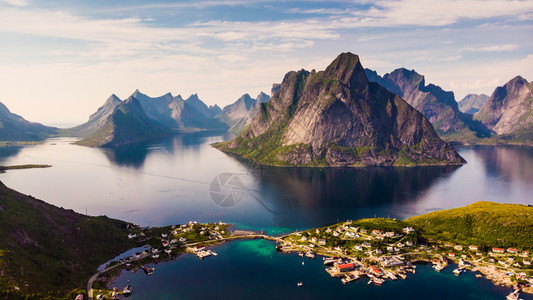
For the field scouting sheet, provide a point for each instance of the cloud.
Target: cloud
(20, 3)
(494, 48)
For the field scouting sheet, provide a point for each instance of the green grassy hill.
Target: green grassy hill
(485, 224)
(46, 251)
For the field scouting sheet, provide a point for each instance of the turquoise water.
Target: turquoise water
(254, 270)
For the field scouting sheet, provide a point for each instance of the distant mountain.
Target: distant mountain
(15, 128)
(437, 105)
(472, 103)
(509, 112)
(150, 118)
(50, 250)
(126, 124)
(337, 117)
(239, 114)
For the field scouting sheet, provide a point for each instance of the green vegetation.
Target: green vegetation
(485, 224)
(47, 251)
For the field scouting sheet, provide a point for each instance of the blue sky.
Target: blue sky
(60, 60)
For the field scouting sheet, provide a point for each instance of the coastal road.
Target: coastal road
(231, 238)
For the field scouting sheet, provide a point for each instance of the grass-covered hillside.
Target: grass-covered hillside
(485, 224)
(46, 251)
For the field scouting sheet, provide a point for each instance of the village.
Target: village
(349, 252)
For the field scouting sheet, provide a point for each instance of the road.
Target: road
(231, 238)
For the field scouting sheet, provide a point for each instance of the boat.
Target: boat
(378, 281)
(310, 254)
(127, 290)
(129, 266)
(479, 276)
(303, 263)
(349, 278)
(155, 256)
(301, 254)
(402, 275)
(299, 284)
(458, 271)
(168, 251)
(148, 270)
(438, 267)
(513, 295)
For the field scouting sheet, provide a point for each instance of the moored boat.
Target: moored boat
(127, 289)
(310, 254)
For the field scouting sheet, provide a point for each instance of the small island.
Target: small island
(3, 169)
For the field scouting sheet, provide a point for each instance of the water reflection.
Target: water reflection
(305, 196)
(508, 162)
(128, 156)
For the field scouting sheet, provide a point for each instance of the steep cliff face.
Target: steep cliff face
(472, 103)
(15, 128)
(127, 124)
(509, 108)
(337, 117)
(437, 105)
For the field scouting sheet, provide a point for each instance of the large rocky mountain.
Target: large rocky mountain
(337, 117)
(15, 128)
(509, 111)
(437, 105)
(126, 124)
(150, 118)
(240, 113)
(472, 103)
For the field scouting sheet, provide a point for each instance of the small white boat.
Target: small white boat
(127, 289)
(458, 271)
(310, 254)
(301, 254)
(303, 263)
(155, 256)
(378, 281)
(513, 295)
(299, 284)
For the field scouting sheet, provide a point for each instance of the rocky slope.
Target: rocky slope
(337, 117)
(239, 114)
(510, 107)
(437, 105)
(15, 128)
(126, 124)
(50, 250)
(472, 103)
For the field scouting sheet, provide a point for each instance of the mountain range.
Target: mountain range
(337, 117)
(437, 105)
(504, 118)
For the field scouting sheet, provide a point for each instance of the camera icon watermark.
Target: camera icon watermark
(226, 189)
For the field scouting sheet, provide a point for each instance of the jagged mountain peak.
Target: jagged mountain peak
(347, 69)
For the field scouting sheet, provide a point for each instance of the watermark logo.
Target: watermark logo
(226, 189)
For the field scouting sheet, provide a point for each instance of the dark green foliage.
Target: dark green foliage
(50, 249)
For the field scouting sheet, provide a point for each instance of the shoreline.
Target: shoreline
(365, 266)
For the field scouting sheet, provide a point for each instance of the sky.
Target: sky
(61, 59)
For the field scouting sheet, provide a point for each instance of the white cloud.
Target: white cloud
(494, 48)
(20, 3)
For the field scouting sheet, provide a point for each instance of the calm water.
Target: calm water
(171, 181)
